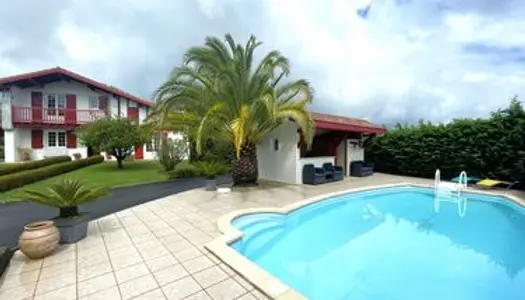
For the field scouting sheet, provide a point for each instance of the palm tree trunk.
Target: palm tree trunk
(244, 168)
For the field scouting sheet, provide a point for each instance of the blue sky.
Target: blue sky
(407, 60)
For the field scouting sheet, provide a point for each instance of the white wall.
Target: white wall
(280, 165)
(354, 153)
(22, 97)
(10, 154)
(23, 140)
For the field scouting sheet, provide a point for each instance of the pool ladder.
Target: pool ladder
(450, 192)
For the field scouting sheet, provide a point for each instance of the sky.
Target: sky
(406, 60)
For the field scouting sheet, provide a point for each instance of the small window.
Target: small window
(276, 144)
(51, 139)
(56, 104)
(61, 104)
(61, 139)
(56, 139)
(93, 102)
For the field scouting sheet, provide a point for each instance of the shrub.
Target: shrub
(184, 170)
(210, 169)
(171, 153)
(16, 180)
(493, 147)
(25, 166)
(67, 195)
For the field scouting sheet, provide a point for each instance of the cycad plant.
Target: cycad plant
(67, 194)
(210, 169)
(221, 93)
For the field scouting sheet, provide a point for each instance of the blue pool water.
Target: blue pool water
(390, 244)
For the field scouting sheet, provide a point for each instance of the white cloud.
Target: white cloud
(407, 61)
(399, 51)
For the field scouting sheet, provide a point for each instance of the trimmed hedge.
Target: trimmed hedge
(31, 165)
(485, 148)
(16, 180)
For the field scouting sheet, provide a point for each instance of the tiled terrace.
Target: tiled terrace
(155, 250)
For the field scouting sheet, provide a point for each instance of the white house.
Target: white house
(338, 140)
(40, 111)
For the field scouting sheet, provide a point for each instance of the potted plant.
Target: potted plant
(210, 169)
(66, 195)
(25, 154)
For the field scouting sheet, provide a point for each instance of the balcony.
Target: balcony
(55, 116)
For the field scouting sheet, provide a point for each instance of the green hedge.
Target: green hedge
(31, 165)
(184, 169)
(493, 147)
(16, 180)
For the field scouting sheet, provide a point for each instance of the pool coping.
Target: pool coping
(260, 278)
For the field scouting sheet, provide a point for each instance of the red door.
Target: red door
(36, 107)
(133, 114)
(71, 109)
(139, 152)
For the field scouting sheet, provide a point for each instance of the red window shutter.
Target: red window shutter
(102, 102)
(36, 106)
(71, 109)
(133, 113)
(71, 139)
(37, 139)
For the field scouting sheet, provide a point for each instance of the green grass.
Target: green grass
(103, 174)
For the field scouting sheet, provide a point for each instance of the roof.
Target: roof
(340, 123)
(32, 78)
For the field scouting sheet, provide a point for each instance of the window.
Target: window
(61, 139)
(51, 139)
(93, 102)
(56, 139)
(56, 104)
(154, 145)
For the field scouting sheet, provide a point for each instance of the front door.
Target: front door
(139, 152)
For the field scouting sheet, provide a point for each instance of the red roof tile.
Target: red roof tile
(333, 122)
(58, 70)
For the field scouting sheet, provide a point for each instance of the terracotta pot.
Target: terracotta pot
(39, 239)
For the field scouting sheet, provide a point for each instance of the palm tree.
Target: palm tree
(218, 93)
(66, 194)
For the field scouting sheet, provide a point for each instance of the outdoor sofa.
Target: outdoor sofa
(327, 173)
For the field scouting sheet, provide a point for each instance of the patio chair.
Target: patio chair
(359, 168)
(336, 171)
(491, 183)
(313, 175)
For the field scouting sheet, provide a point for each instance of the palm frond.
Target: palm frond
(66, 193)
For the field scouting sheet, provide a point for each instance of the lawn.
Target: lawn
(103, 174)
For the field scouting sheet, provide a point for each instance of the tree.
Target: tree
(220, 94)
(116, 136)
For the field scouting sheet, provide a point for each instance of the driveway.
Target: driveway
(14, 216)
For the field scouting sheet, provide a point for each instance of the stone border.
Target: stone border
(262, 280)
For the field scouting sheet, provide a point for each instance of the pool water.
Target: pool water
(390, 244)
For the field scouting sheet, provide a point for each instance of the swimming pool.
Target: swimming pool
(390, 244)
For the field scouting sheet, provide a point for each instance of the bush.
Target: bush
(210, 168)
(493, 147)
(184, 170)
(16, 180)
(25, 166)
(172, 152)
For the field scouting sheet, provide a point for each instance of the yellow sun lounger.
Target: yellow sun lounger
(491, 183)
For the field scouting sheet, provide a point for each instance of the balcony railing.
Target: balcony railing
(67, 116)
